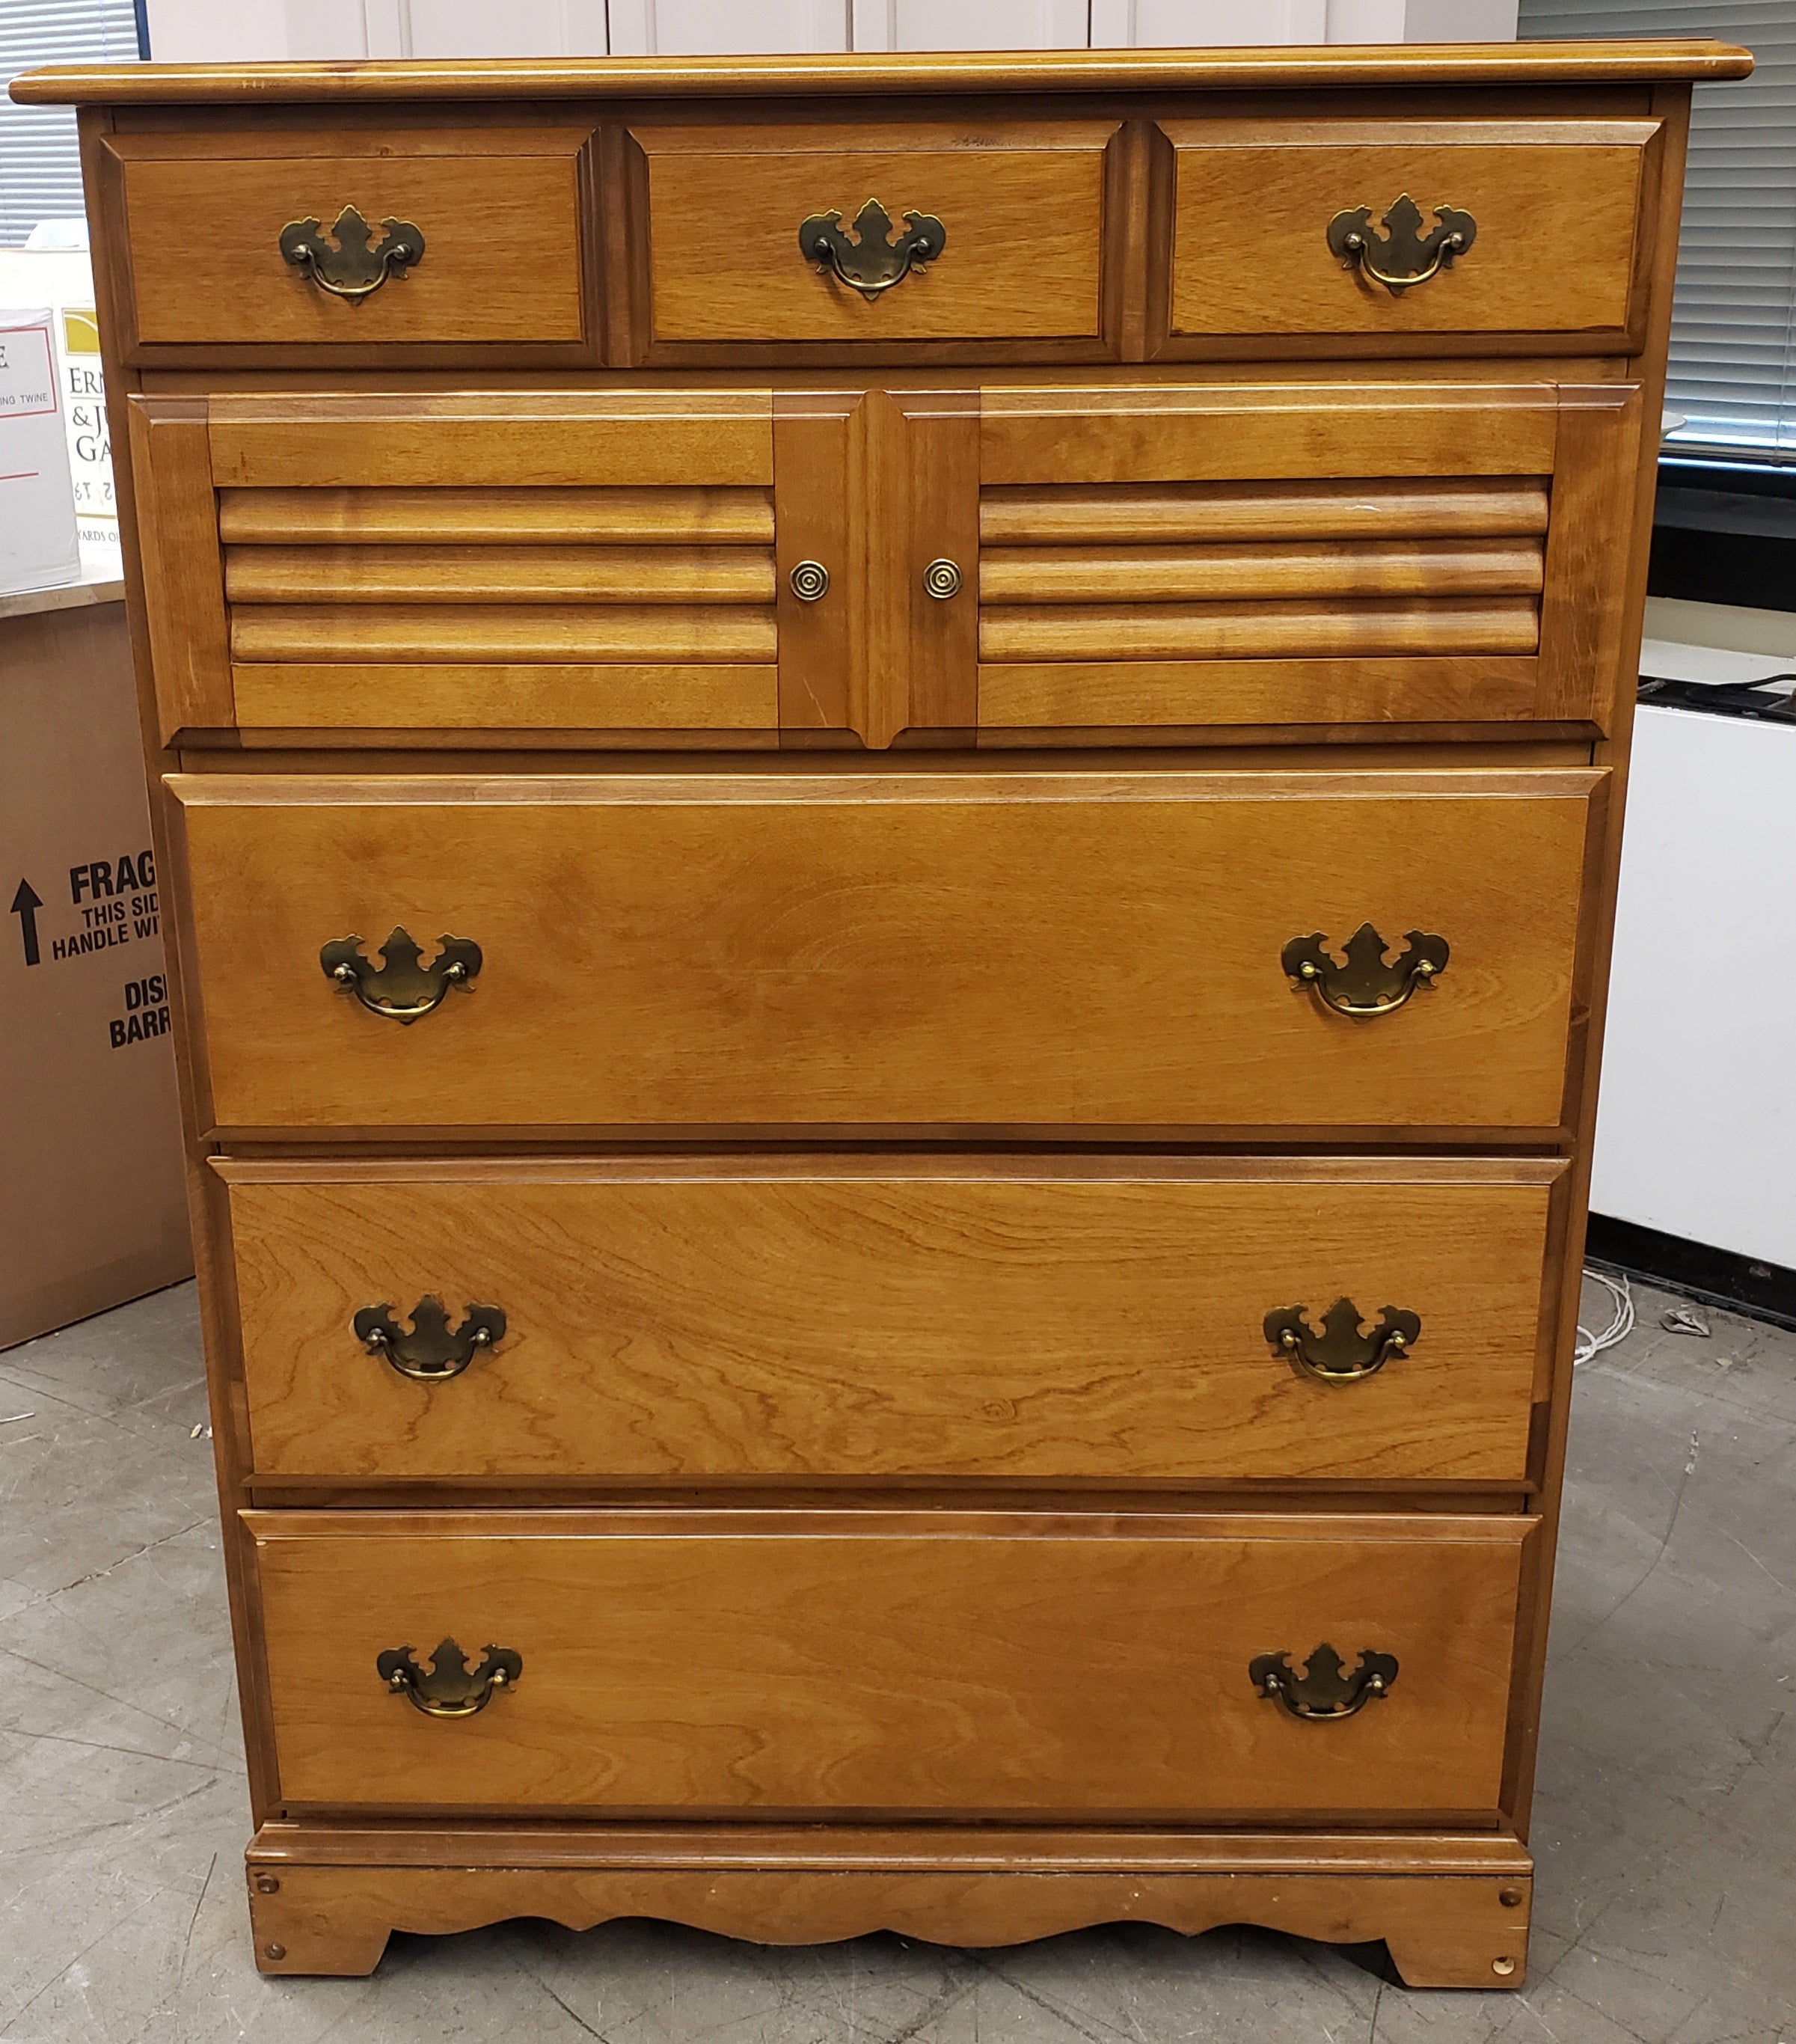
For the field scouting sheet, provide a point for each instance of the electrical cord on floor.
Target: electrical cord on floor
(1590, 1345)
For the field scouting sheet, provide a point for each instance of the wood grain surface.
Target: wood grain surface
(1031, 1325)
(1273, 188)
(1215, 514)
(1380, 431)
(826, 76)
(609, 694)
(869, 1662)
(418, 438)
(512, 191)
(1022, 201)
(671, 515)
(180, 573)
(1441, 1931)
(1119, 696)
(1439, 569)
(1248, 631)
(748, 949)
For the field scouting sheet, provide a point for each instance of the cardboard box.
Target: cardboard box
(38, 544)
(93, 1207)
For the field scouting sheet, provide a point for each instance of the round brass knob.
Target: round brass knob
(809, 580)
(941, 579)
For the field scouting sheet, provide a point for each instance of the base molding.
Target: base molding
(1454, 1912)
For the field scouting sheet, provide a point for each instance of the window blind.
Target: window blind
(1733, 326)
(40, 166)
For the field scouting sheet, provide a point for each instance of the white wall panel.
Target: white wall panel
(1143, 24)
(221, 31)
(1460, 22)
(747, 28)
(510, 28)
(971, 24)
(252, 31)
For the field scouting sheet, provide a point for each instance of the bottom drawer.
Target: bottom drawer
(835, 1664)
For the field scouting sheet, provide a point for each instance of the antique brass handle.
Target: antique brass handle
(1341, 1354)
(399, 987)
(1324, 1690)
(810, 580)
(451, 1689)
(872, 261)
(1404, 257)
(941, 579)
(432, 1349)
(355, 268)
(1365, 985)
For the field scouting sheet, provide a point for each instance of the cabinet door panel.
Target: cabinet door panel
(1302, 554)
(602, 564)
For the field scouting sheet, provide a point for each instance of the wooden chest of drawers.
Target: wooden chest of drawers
(892, 789)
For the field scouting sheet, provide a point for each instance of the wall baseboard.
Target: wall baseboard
(1717, 1277)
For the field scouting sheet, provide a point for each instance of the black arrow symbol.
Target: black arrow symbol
(26, 906)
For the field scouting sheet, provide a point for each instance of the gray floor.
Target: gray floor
(1666, 1829)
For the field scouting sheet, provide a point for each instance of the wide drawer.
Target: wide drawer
(1007, 234)
(890, 1318)
(883, 1663)
(1546, 213)
(849, 951)
(484, 223)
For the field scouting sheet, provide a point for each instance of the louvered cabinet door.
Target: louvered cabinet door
(613, 565)
(1342, 555)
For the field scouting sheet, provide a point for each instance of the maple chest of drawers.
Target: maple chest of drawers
(893, 787)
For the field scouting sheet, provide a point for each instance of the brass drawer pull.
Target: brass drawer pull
(1409, 257)
(810, 581)
(1341, 1354)
(1324, 1690)
(451, 1689)
(353, 268)
(1365, 985)
(432, 1349)
(399, 987)
(941, 579)
(872, 261)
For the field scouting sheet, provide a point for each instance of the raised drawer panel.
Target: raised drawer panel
(499, 210)
(956, 1663)
(884, 1318)
(1554, 206)
(846, 951)
(1021, 206)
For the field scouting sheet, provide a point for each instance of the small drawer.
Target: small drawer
(494, 215)
(854, 953)
(843, 1319)
(816, 1664)
(1008, 243)
(1546, 213)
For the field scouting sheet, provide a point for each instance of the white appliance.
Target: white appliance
(1696, 1133)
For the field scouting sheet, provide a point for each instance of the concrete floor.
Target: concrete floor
(1666, 1826)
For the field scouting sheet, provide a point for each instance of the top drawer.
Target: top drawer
(1389, 228)
(990, 232)
(466, 235)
